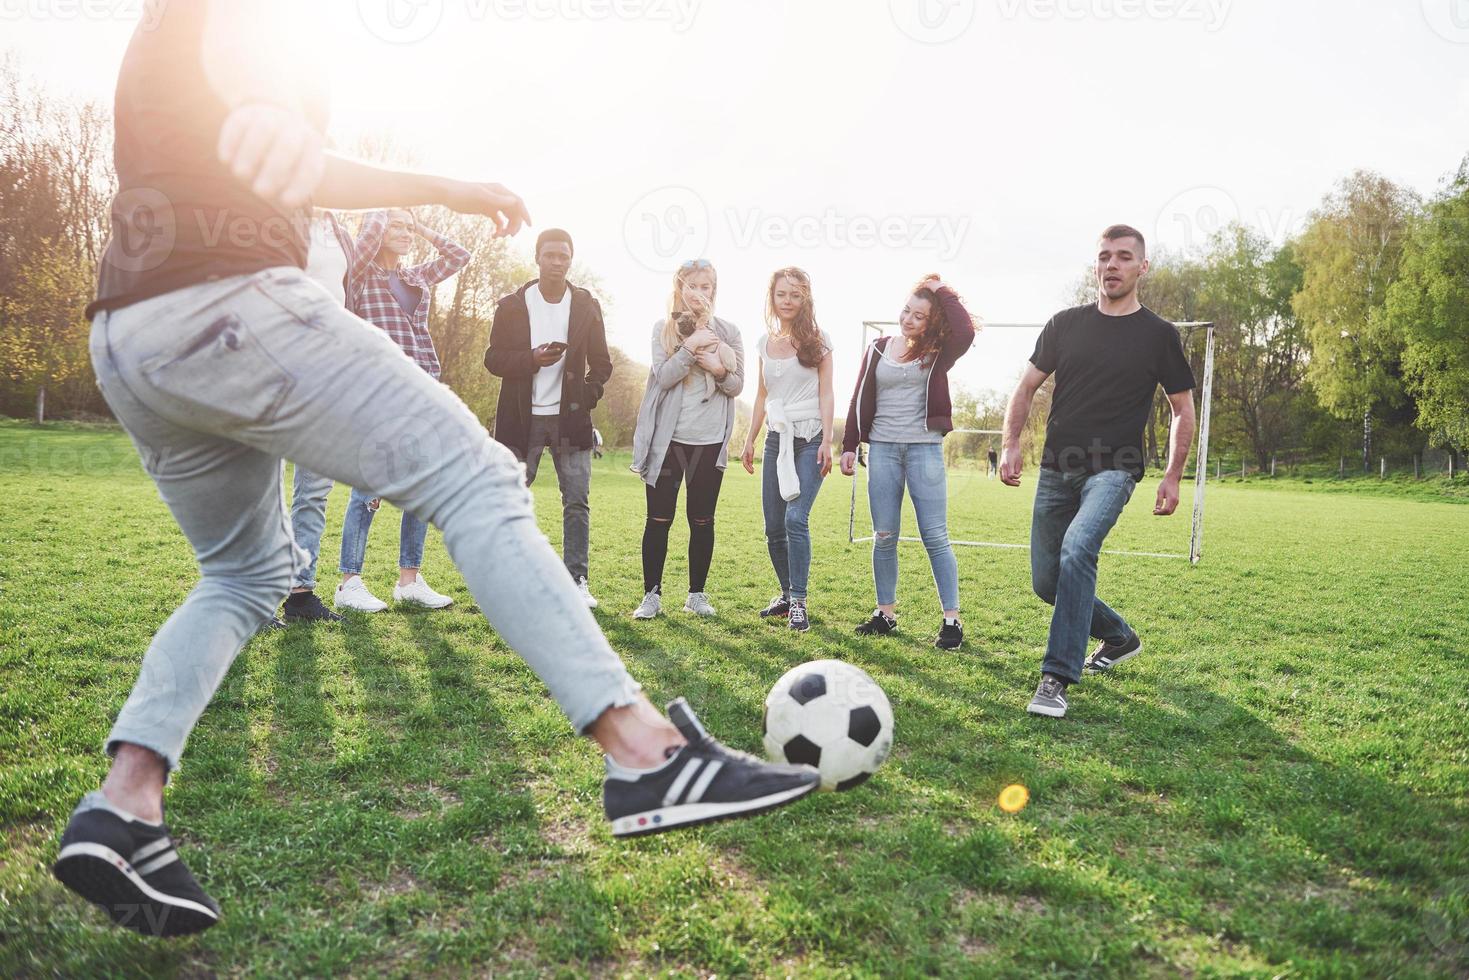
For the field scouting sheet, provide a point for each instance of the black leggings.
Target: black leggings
(695, 466)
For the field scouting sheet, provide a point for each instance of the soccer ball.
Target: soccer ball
(830, 715)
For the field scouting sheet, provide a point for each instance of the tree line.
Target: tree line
(1349, 339)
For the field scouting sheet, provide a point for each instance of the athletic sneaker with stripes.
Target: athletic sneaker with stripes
(704, 781)
(131, 869)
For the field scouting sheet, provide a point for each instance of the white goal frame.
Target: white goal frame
(1201, 468)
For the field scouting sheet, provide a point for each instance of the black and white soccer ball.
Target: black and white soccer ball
(831, 715)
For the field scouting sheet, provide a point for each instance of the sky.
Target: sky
(874, 141)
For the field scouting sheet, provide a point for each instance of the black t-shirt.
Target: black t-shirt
(1106, 368)
(180, 217)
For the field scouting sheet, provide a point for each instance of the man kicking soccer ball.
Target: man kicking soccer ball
(220, 358)
(1108, 359)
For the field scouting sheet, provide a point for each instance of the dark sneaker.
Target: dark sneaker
(798, 620)
(1050, 698)
(305, 607)
(779, 606)
(1108, 654)
(275, 625)
(951, 636)
(132, 871)
(881, 624)
(703, 782)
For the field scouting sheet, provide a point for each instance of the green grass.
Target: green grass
(1277, 787)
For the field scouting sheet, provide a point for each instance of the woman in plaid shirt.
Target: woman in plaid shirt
(396, 299)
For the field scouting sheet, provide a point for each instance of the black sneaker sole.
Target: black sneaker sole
(1091, 669)
(693, 814)
(104, 878)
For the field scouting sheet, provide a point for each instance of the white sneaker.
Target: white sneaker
(353, 594)
(651, 605)
(418, 593)
(585, 589)
(698, 604)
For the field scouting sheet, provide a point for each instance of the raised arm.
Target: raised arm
(961, 328)
(1016, 414)
(367, 243)
(452, 257)
(1180, 442)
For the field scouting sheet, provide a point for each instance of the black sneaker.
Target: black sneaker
(274, 625)
(779, 606)
(305, 607)
(881, 624)
(1108, 654)
(1050, 697)
(951, 636)
(132, 871)
(702, 782)
(798, 620)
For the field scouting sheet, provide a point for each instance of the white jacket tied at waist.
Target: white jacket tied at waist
(782, 418)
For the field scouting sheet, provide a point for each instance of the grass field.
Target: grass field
(1276, 787)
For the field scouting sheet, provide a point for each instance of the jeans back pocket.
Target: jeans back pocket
(220, 377)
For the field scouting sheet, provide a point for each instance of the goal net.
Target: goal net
(980, 441)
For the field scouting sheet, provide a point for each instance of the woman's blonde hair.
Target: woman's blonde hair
(678, 307)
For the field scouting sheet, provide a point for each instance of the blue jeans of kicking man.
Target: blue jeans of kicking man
(1073, 515)
(361, 509)
(308, 521)
(787, 523)
(217, 383)
(920, 467)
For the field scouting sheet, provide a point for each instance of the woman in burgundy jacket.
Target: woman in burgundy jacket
(902, 410)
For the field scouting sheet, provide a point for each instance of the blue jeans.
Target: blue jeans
(361, 509)
(788, 524)
(308, 520)
(1073, 514)
(216, 383)
(919, 466)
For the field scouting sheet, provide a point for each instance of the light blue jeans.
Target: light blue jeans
(308, 520)
(920, 467)
(361, 509)
(787, 523)
(1073, 514)
(217, 383)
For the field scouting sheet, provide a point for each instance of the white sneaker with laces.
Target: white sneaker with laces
(354, 594)
(585, 589)
(649, 608)
(698, 604)
(418, 593)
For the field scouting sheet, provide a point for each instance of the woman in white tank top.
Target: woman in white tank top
(795, 396)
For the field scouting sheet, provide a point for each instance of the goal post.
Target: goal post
(1201, 469)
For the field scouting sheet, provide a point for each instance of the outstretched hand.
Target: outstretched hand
(494, 201)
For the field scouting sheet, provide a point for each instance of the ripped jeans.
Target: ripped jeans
(217, 383)
(920, 467)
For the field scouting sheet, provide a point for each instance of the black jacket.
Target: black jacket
(588, 368)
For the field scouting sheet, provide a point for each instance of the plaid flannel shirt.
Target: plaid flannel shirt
(374, 302)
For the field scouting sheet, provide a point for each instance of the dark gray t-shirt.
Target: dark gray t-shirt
(1107, 369)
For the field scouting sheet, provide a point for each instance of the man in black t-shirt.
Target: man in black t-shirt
(1108, 360)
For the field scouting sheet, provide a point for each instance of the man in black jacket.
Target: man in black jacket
(549, 345)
